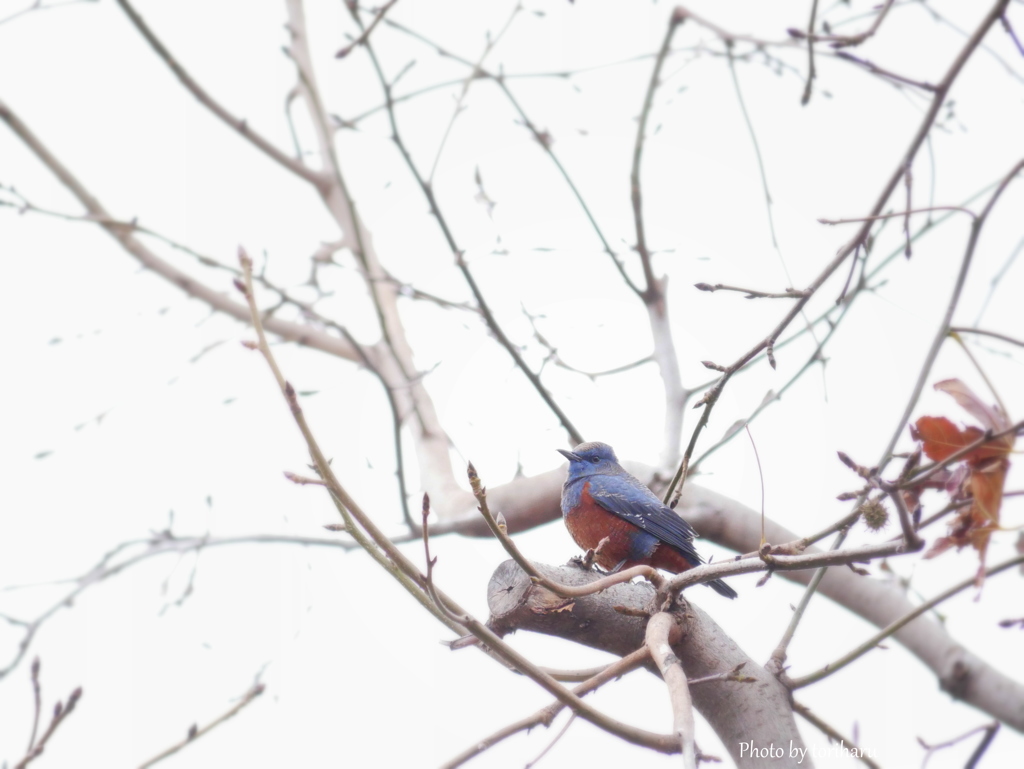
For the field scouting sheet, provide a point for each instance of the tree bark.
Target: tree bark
(529, 502)
(750, 715)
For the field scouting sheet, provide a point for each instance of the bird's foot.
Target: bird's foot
(589, 558)
(585, 561)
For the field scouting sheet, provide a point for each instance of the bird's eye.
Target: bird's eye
(595, 460)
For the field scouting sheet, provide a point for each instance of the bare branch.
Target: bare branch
(846, 41)
(898, 214)
(652, 291)
(989, 730)
(37, 701)
(394, 362)
(777, 662)
(940, 91)
(789, 293)
(660, 630)
(653, 295)
(615, 621)
(37, 5)
(874, 69)
(241, 126)
(542, 139)
(365, 34)
(871, 643)
(217, 300)
(810, 54)
(194, 733)
(943, 331)
(833, 736)
(982, 332)
(461, 263)
(60, 712)
(546, 715)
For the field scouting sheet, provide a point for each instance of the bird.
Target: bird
(601, 499)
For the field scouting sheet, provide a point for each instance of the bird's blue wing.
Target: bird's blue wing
(632, 501)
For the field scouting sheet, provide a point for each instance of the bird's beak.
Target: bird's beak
(568, 455)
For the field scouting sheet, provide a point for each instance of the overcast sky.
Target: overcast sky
(126, 404)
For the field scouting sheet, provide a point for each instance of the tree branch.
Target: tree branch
(204, 98)
(660, 629)
(739, 712)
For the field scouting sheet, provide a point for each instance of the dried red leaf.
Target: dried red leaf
(981, 473)
(990, 417)
(941, 438)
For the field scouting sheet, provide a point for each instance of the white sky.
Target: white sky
(354, 673)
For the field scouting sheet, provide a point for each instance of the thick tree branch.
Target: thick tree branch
(653, 294)
(217, 300)
(395, 362)
(528, 502)
(757, 710)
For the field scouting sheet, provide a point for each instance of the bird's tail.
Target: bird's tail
(722, 589)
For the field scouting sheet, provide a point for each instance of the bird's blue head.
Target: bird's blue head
(593, 458)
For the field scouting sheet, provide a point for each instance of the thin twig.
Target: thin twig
(500, 530)
(834, 736)
(195, 733)
(396, 426)
(214, 106)
(983, 332)
(893, 627)
(60, 712)
(1013, 35)
(989, 730)
(987, 437)
(943, 331)
(757, 149)
(911, 538)
(473, 75)
(460, 261)
(777, 662)
(817, 355)
(876, 70)
(542, 139)
(212, 297)
(652, 290)
(660, 742)
(789, 293)
(908, 183)
(373, 541)
(847, 41)
(810, 54)
(365, 34)
(552, 743)
(37, 5)
(729, 675)
(37, 701)
(760, 475)
(160, 544)
(547, 714)
(393, 561)
(897, 214)
(748, 565)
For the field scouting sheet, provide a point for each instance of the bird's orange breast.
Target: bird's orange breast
(589, 523)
